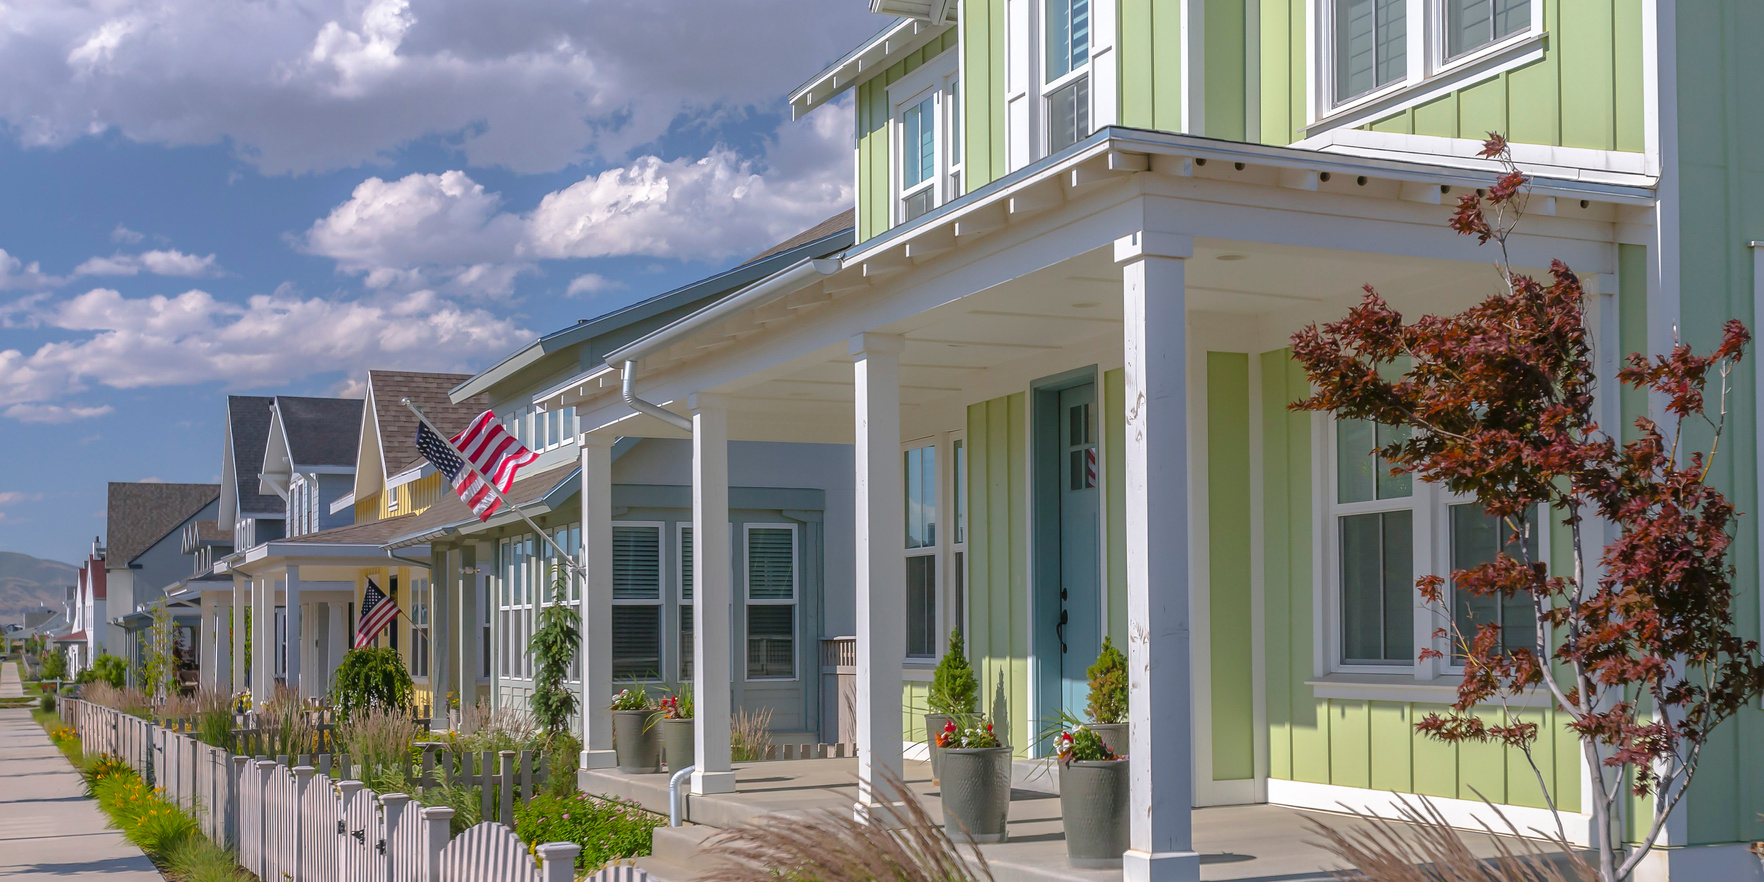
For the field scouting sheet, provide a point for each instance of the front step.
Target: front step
(679, 845)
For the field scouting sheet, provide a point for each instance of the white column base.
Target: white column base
(712, 782)
(1161, 866)
(887, 814)
(600, 759)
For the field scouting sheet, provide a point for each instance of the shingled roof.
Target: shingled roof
(428, 391)
(366, 533)
(840, 222)
(451, 511)
(141, 514)
(248, 419)
(321, 431)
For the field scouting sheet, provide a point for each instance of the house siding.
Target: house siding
(998, 560)
(1228, 527)
(874, 177)
(983, 92)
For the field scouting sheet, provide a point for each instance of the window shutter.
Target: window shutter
(771, 564)
(636, 563)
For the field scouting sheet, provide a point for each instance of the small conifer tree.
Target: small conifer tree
(1108, 685)
(954, 689)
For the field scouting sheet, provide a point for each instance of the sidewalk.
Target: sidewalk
(48, 828)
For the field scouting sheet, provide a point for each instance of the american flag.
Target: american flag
(377, 611)
(495, 453)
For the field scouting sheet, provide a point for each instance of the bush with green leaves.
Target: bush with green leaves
(606, 829)
(1108, 685)
(53, 667)
(954, 689)
(107, 669)
(553, 649)
(370, 678)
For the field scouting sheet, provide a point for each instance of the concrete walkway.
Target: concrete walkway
(48, 828)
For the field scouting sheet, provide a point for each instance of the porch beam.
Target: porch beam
(1161, 713)
(881, 571)
(712, 594)
(597, 676)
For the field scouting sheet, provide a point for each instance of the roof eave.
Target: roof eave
(866, 61)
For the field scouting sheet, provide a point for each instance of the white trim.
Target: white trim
(1259, 759)
(1462, 813)
(1581, 163)
(343, 503)
(410, 475)
(1442, 690)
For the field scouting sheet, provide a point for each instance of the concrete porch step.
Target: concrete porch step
(679, 845)
(667, 871)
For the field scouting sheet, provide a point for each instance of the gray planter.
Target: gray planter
(1112, 734)
(637, 742)
(1093, 804)
(679, 742)
(976, 793)
(934, 724)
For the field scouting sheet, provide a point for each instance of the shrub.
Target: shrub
(464, 799)
(561, 755)
(370, 678)
(107, 669)
(198, 860)
(378, 738)
(554, 649)
(750, 734)
(54, 666)
(487, 727)
(128, 701)
(1108, 685)
(47, 702)
(954, 690)
(606, 829)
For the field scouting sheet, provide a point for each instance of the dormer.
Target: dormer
(309, 460)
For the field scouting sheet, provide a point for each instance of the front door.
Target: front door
(1068, 571)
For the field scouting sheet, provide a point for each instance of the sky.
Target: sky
(205, 197)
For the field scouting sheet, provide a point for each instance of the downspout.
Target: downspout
(641, 406)
(393, 553)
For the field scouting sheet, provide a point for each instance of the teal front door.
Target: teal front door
(1068, 571)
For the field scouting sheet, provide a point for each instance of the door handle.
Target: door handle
(1060, 630)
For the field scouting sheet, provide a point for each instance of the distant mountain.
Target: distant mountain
(27, 583)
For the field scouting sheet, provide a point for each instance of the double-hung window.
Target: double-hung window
(637, 601)
(918, 157)
(1371, 49)
(1066, 72)
(1473, 24)
(921, 551)
(1477, 538)
(419, 628)
(928, 140)
(771, 601)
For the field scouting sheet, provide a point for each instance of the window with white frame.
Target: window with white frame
(518, 575)
(486, 624)
(958, 503)
(540, 428)
(419, 628)
(771, 601)
(1477, 537)
(928, 142)
(637, 601)
(1374, 46)
(683, 545)
(1065, 26)
(920, 469)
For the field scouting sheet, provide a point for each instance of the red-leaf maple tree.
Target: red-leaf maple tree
(1636, 645)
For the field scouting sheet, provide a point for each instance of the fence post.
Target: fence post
(392, 819)
(300, 847)
(347, 790)
(437, 829)
(508, 786)
(260, 791)
(558, 860)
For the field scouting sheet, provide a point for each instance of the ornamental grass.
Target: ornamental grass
(1423, 847)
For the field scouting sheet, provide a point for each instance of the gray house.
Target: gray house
(144, 532)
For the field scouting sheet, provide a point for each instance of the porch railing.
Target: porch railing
(309, 822)
(839, 689)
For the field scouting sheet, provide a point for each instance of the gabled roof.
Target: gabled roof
(139, 515)
(871, 59)
(373, 533)
(320, 431)
(248, 420)
(388, 428)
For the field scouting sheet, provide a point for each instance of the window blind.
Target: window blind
(771, 564)
(636, 563)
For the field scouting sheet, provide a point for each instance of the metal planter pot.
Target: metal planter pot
(1093, 804)
(976, 793)
(934, 724)
(637, 742)
(680, 742)
(1112, 734)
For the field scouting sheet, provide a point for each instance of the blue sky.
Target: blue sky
(207, 197)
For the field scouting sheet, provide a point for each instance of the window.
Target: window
(771, 601)
(1477, 537)
(958, 501)
(918, 158)
(921, 551)
(927, 122)
(485, 624)
(636, 613)
(1375, 526)
(1473, 24)
(519, 573)
(1066, 72)
(684, 531)
(419, 628)
(1370, 45)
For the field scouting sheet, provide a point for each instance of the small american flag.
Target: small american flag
(377, 611)
(495, 453)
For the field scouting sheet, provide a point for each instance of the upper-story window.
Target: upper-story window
(1066, 72)
(541, 429)
(928, 141)
(1376, 47)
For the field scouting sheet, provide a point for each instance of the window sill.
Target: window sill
(1458, 74)
(918, 671)
(1405, 688)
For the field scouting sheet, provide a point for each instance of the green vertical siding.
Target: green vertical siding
(1228, 565)
(1357, 743)
(1632, 326)
(874, 196)
(998, 560)
(1226, 74)
(914, 704)
(1284, 78)
(1114, 412)
(983, 92)
(1150, 64)
(1586, 91)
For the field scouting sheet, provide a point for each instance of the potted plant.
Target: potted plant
(1094, 784)
(1108, 698)
(679, 732)
(955, 695)
(635, 738)
(976, 792)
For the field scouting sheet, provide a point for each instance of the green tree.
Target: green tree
(1108, 685)
(553, 649)
(372, 677)
(954, 689)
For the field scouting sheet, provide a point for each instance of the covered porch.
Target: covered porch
(1067, 393)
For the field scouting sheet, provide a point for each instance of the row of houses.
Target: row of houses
(1034, 384)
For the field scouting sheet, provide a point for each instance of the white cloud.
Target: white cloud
(13, 497)
(124, 234)
(169, 262)
(592, 284)
(17, 275)
(131, 343)
(533, 85)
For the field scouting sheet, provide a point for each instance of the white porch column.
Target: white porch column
(223, 645)
(880, 570)
(1161, 714)
(206, 648)
(597, 736)
(441, 576)
(712, 594)
(241, 602)
(291, 638)
(263, 631)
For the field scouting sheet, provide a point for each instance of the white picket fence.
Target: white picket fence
(298, 823)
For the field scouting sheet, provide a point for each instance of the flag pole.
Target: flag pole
(574, 565)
